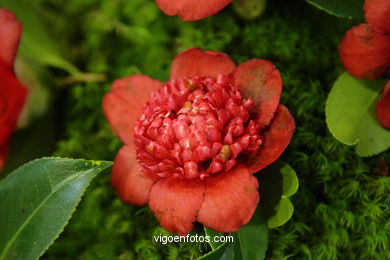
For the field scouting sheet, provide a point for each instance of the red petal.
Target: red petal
(261, 81)
(123, 104)
(230, 201)
(190, 10)
(132, 185)
(377, 14)
(383, 107)
(275, 140)
(12, 97)
(364, 53)
(175, 202)
(197, 62)
(10, 31)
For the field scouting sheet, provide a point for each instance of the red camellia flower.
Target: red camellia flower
(12, 92)
(365, 49)
(191, 10)
(383, 107)
(377, 13)
(192, 144)
(365, 53)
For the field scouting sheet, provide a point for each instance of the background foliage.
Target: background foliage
(342, 207)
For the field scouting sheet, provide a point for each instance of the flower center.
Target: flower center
(195, 127)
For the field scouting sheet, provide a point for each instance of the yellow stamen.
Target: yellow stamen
(225, 152)
(190, 85)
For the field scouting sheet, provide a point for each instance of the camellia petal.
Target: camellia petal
(12, 92)
(197, 62)
(10, 31)
(377, 13)
(123, 104)
(230, 201)
(12, 97)
(132, 185)
(275, 140)
(383, 107)
(191, 10)
(199, 139)
(365, 53)
(260, 80)
(175, 201)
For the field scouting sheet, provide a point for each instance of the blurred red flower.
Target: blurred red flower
(377, 13)
(365, 49)
(12, 92)
(190, 10)
(193, 144)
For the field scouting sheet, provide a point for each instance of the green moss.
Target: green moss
(341, 210)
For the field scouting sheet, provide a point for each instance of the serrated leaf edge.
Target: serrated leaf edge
(70, 216)
(39, 206)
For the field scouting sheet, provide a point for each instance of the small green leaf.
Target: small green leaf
(341, 8)
(350, 114)
(277, 183)
(37, 201)
(36, 44)
(290, 179)
(285, 210)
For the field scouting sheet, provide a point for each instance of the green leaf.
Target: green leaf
(285, 210)
(350, 114)
(212, 233)
(37, 201)
(278, 182)
(36, 44)
(225, 251)
(250, 241)
(290, 179)
(341, 8)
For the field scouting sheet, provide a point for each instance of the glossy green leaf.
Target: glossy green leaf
(250, 241)
(341, 8)
(212, 233)
(36, 44)
(350, 114)
(277, 183)
(225, 251)
(37, 201)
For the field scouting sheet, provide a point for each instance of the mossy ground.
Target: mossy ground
(341, 209)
